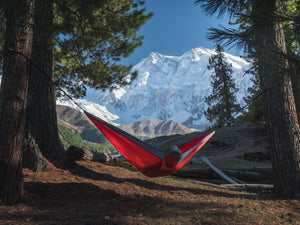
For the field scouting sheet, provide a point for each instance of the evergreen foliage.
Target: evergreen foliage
(242, 15)
(222, 102)
(254, 100)
(92, 37)
(89, 38)
(92, 135)
(292, 35)
(70, 138)
(262, 33)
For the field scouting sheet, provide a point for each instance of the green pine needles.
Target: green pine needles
(222, 102)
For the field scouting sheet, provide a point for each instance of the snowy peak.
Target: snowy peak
(196, 54)
(169, 88)
(154, 57)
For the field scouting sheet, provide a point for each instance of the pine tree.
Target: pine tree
(222, 102)
(263, 36)
(292, 36)
(93, 39)
(97, 33)
(89, 36)
(16, 70)
(254, 101)
(41, 119)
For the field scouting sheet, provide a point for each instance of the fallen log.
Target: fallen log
(207, 173)
(249, 176)
(223, 175)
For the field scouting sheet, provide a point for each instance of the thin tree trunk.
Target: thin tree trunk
(279, 102)
(16, 70)
(41, 107)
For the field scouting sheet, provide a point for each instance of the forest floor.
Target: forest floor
(97, 193)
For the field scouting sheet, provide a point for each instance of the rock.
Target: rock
(74, 153)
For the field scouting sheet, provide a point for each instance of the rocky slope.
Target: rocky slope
(154, 128)
(245, 145)
(79, 123)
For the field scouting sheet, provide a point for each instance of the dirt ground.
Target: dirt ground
(96, 193)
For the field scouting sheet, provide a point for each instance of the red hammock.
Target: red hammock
(149, 160)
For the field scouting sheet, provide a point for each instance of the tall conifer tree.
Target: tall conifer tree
(96, 34)
(222, 102)
(264, 38)
(90, 36)
(16, 70)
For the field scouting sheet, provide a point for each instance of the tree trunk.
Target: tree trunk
(41, 106)
(16, 70)
(279, 101)
(32, 157)
(296, 87)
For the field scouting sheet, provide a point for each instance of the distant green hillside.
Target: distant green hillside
(92, 135)
(70, 138)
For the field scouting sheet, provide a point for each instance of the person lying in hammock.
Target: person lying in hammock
(151, 161)
(171, 157)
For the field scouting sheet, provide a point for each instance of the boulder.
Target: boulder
(75, 153)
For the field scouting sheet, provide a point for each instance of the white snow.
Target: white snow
(166, 88)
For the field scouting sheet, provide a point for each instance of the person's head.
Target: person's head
(174, 151)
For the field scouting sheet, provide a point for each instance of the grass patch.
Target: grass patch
(69, 138)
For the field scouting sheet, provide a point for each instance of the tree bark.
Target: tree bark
(279, 101)
(16, 70)
(32, 157)
(41, 107)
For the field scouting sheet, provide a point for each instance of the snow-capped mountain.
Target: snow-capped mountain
(167, 88)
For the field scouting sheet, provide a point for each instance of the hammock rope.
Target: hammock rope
(149, 160)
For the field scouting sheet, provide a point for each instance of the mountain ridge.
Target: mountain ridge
(151, 128)
(166, 88)
(76, 121)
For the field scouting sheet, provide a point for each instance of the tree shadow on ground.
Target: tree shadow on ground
(85, 172)
(85, 203)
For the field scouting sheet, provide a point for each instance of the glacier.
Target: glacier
(166, 88)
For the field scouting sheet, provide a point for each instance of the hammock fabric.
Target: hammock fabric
(149, 160)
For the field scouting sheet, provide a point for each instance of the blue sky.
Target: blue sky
(176, 27)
